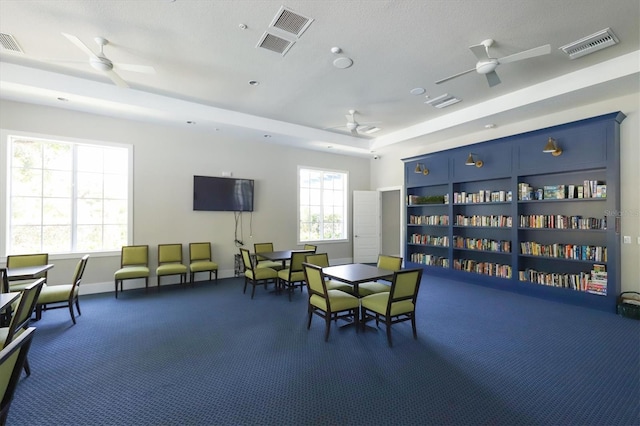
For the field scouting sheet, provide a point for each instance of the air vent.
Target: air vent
(275, 43)
(593, 43)
(291, 22)
(8, 42)
(443, 101)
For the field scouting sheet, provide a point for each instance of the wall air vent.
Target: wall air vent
(443, 101)
(8, 42)
(291, 22)
(593, 43)
(274, 43)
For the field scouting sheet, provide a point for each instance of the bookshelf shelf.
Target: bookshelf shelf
(569, 199)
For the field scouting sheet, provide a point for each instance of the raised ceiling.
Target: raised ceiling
(206, 52)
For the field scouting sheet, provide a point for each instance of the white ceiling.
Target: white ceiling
(204, 61)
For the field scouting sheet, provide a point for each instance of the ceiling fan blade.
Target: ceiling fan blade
(480, 51)
(492, 78)
(531, 53)
(135, 68)
(116, 79)
(455, 75)
(75, 40)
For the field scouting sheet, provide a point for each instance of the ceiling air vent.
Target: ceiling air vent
(593, 43)
(275, 43)
(8, 42)
(443, 101)
(291, 22)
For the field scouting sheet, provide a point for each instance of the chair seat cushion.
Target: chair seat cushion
(171, 269)
(131, 272)
(269, 264)
(337, 285)
(295, 276)
(378, 303)
(203, 266)
(55, 293)
(261, 274)
(366, 289)
(340, 301)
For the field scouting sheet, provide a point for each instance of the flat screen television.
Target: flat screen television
(222, 194)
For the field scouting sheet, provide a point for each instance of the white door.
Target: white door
(366, 226)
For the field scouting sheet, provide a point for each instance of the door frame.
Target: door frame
(403, 213)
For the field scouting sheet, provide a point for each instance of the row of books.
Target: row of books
(429, 259)
(432, 240)
(588, 189)
(477, 220)
(484, 268)
(556, 279)
(565, 251)
(483, 196)
(429, 220)
(561, 222)
(482, 244)
(597, 283)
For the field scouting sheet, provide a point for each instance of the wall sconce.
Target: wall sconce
(473, 162)
(552, 148)
(420, 168)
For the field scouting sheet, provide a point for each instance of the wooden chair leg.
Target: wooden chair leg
(413, 325)
(310, 314)
(327, 321)
(73, 317)
(388, 321)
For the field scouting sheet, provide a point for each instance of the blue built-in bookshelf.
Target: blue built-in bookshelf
(520, 219)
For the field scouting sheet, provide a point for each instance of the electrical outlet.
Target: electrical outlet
(626, 239)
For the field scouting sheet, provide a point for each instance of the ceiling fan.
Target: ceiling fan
(100, 62)
(355, 128)
(487, 65)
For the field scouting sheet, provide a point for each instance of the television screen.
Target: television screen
(222, 194)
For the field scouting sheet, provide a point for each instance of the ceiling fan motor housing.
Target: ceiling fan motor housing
(101, 63)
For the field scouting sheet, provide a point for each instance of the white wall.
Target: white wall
(388, 170)
(165, 160)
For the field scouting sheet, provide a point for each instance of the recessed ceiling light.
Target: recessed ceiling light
(253, 83)
(243, 26)
(417, 91)
(330, 146)
(63, 99)
(191, 122)
(267, 136)
(489, 126)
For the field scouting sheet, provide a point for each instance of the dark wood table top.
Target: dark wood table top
(27, 272)
(281, 254)
(356, 273)
(7, 299)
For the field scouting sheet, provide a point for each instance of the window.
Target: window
(66, 197)
(322, 197)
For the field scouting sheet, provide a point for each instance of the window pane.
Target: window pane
(57, 184)
(57, 156)
(89, 212)
(26, 211)
(56, 239)
(26, 182)
(90, 159)
(89, 185)
(26, 154)
(56, 211)
(24, 238)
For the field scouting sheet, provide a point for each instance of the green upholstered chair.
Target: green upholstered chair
(63, 296)
(263, 262)
(12, 359)
(310, 247)
(170, 262)
(256, 276)
(200, 260)
(22, 260)
(396, 305)
(22, 316)
(322, 260)
(328, 304)
(293, 276)
(134, 264)
(392, 263)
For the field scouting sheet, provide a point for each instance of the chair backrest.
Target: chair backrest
(318, 259)
(5, 280)
(199, 251)
(297, 259)
(26, 305)
(392, 263)
(21, 260)
(169, 253)
(310, 247)
(79, 271)
(262, 248)
(12, 359)
(315, 280)
(134, 256)
(405, 286)
(246, 259)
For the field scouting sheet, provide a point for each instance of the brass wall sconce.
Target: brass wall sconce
(473, 162)
(552, 148)
(420, 168)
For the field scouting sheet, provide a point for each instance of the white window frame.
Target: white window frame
(5, 158)
(345, 201)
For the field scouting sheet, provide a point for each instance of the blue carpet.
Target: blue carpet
(210, 355)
